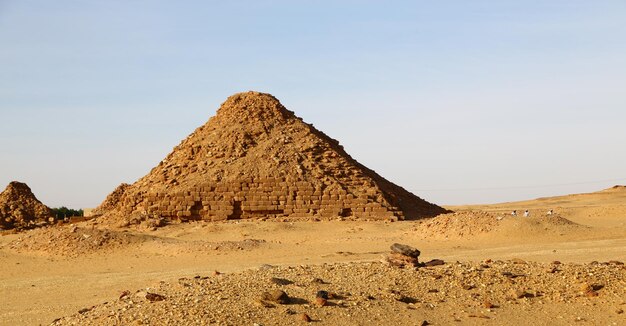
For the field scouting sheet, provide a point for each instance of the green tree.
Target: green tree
(63, 212)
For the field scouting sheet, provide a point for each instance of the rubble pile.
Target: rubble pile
(20, 209)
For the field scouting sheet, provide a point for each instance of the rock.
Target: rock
(153, 297)
(405, 299)
(263, 303)
(84, 310)
(487, 304)
(405, 250)
(615, 262)
(305, 318)
(468, 286)
(434, 262)
(124, 294)
(280, 281)
(277, 296)
(519, 294)
(322, 294)
(400, 260)
(586, 288)
(619, 311)
(556, 262)
(518, 261)
(321, 301)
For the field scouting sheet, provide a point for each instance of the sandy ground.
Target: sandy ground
(52, 273)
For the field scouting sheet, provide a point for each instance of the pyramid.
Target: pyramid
(256, 159)
(19, 208)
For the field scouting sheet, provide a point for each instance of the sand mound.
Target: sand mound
(256, 159)
(19, 208)
(616, 188)
(459, 224)
(500, 292)
(72, 241)
(538, 225)
(473, 223)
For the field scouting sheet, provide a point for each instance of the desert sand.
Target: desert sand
(499, 269)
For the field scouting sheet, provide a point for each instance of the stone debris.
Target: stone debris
(20, 209)
(366, 293)
(321, 298)
(124, 294)
(74, 241)
(405, 250)
(280, 281)
(276, 296)
(256, 159)
(402, 256)
(434, 262)
(153, 297)
(305, 318)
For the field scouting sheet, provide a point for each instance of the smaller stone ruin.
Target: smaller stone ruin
(20, 209)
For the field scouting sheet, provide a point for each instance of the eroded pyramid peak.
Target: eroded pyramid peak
(19, 208)
(253, 105)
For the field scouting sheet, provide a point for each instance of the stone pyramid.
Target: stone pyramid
(19, 208)
(256, 159)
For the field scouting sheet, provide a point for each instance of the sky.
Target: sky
(457, 101)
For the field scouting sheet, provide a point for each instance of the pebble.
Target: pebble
(280, 281)
(322, 294)
(305, 318)
(519, 294)
(278, 296)
(434, 262)
(153, 297)
(321, 301)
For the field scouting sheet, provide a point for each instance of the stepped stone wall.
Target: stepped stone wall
(254, 198)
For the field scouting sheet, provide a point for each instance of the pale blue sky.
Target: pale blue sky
(457, 101)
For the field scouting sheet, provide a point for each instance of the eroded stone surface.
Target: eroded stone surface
(19, 208)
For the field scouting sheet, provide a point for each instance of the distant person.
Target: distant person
(514, 213)
(526, 213)
(549, 212)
